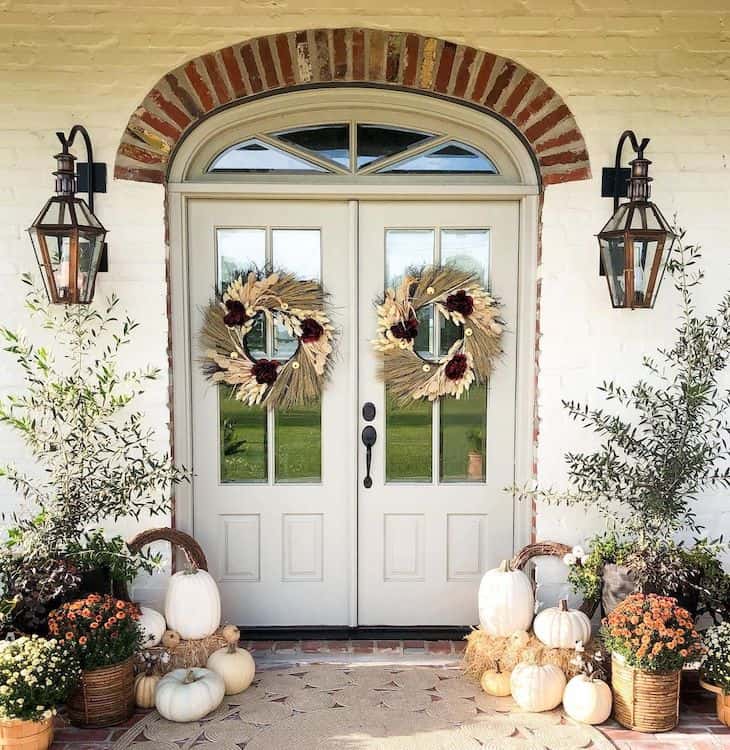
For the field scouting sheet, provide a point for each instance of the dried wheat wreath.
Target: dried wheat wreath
(300, 307)
(459, 297)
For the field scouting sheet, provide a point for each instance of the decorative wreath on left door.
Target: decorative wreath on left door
(458, 296)
(300, 307)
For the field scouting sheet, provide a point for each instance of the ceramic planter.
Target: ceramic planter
(722, 702)
(26, 735)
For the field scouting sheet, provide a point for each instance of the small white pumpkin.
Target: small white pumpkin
(537, 688)
(560, 627)
(193, 604)
(145, 685)
(235, 665)
(506, 601)
(152, 625)
(587, 700)
(189, 694)
(496, 682)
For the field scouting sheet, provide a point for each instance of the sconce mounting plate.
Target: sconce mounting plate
(608, 182)
(82, 176)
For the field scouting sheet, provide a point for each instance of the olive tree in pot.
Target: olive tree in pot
(666, 440)
(95, 457)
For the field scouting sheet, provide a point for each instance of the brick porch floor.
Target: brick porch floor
(698, 729)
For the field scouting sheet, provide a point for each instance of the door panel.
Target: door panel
(274, 491)
(436, 516)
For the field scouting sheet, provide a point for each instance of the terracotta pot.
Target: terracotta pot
(644, 701)
(104, 697)
(475, 465)
(722, 702)
(26, 735)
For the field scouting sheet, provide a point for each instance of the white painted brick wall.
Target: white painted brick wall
(660, 68)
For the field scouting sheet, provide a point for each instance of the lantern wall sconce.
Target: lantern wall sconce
(67, 238)
(636, 242)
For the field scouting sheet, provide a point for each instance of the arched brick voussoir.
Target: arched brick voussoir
(403, 60)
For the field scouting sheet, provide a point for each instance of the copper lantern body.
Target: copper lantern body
(636, 242)
(68, 240)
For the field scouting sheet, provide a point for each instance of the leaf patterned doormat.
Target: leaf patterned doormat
(360, 707)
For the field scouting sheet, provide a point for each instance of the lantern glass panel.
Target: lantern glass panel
(613, 254)
(90, 248)
(645, 250)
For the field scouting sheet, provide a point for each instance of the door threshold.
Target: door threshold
(360, 632)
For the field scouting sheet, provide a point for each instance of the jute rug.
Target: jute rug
(364, 707)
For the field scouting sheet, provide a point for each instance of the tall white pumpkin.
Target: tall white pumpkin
(560, 627)
(587, 700)
(193, 604)
(537, 688)
(506, 601)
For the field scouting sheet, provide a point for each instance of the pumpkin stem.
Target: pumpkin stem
(189, 677)
(498, 667)
(232, 647)
(563, 605)
(505, 567)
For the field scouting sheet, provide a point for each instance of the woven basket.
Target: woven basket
(26, 735)
(104, 697)
(644, 701)
(549, 549)
(722, 702)
(193, 551)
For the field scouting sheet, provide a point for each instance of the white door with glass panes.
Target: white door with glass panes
(291, 531)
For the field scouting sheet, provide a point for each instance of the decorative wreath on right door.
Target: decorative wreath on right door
(460, 297)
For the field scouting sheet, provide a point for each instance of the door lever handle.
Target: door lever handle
(369, 436)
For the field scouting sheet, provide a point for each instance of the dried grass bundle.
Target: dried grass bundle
(187, 653)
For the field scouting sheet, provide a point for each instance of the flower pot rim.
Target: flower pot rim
(14, 721)
(711, 687)
(109, 666)
(621, 659)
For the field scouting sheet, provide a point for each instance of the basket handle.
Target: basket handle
(193, 551)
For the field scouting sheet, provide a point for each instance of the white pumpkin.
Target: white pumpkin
(560, 627)
(496, 682)
(537, 688)
(235, 665)
(189, 694)
(506, 601)
(152, 625)
(587, 700)
(193, 604)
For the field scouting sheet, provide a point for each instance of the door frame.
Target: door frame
(179, 192)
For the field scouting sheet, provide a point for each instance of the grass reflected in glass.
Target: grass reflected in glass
(299, 444)
(463, 436)
(242, 439)
(408, 448)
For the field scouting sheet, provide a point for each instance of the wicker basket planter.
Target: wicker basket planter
(26, 735)
(644, 701)
(104, 697)
(722, 702)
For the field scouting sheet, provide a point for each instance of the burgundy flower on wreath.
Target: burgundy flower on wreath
(236, 313)
(311, 331)
(265, 371)
(407, 329)
(456, 367)
(461, 303)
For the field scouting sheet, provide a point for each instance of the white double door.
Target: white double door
(293, 536)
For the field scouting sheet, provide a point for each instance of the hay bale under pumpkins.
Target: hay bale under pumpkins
(188, 653)
(483, 651)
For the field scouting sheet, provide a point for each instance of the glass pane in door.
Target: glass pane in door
(408, 429)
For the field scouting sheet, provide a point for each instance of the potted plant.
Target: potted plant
(715, 670)
(96, 456)
(104, 634)
(667, 440)
(650, 637)
(35, 676)
(475, 456)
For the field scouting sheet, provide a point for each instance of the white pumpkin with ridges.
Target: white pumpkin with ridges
(506, 601)
(189, 694)
(152, 624)
(560, 627)
(193, 604)
(587, 700)
(537, 688)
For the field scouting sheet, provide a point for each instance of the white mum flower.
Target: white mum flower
(579, 552)
(570, 559)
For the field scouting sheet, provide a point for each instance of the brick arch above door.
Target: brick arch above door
(282, 62)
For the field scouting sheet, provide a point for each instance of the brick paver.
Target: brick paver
(699, 728)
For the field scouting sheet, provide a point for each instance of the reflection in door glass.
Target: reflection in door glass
(463, 436)
(242, 439)
(298, 440)
(408, 449)
(238, 250)
(468, 249)
(297, 251)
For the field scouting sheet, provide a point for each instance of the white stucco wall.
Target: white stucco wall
(662, 69)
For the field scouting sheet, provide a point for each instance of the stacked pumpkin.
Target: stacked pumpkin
(506, 607)
(192, 612)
